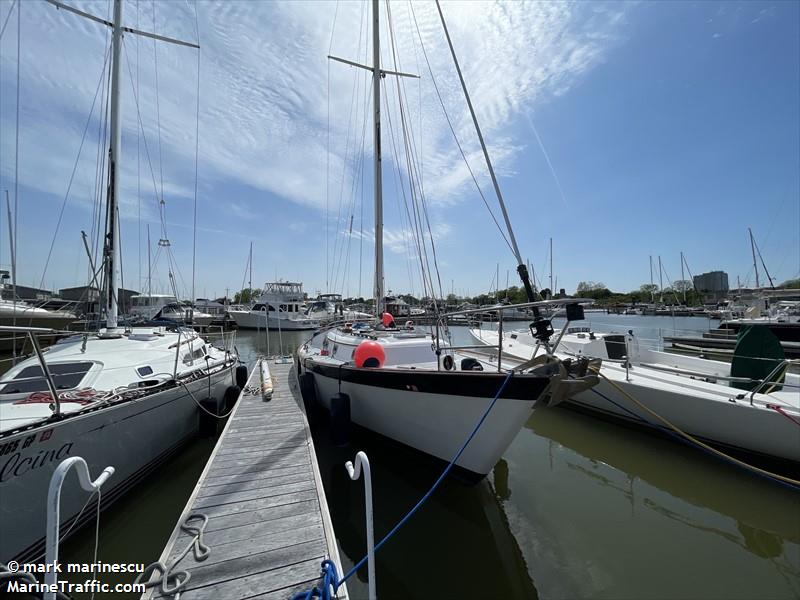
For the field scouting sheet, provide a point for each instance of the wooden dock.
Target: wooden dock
(268, 522)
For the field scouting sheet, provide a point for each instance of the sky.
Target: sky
(620, 130)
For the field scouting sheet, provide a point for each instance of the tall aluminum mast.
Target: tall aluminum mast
(111, 250)
(376, 113)
(111, 246)
(377, 74)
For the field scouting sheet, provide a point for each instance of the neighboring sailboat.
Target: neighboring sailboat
(411, 386)
(124, 397)
(695, 394)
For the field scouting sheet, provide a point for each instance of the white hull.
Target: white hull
(706, 410)
(258, 320)
(697, 410)
(436, 424)
(130, 436)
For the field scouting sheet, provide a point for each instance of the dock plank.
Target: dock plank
(268, 523)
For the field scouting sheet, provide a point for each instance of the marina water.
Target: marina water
(576, 508)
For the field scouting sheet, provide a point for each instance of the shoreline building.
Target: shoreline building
(713, 285)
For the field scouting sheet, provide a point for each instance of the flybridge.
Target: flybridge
(284, 288)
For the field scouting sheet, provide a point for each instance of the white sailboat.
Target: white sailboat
(412, 386)
(691, 392)
(124, 397)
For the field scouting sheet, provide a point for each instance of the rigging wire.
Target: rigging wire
(196, 153)
(328, 157)
(414, 167)
(158, 106)
(138, 162)
(354, 191)
(453, 131)
(337, 245)
(8, 17)
(16, 176)
(74, 168)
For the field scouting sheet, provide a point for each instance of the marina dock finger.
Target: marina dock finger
(268, 528)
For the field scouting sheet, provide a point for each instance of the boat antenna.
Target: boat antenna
(522, 269)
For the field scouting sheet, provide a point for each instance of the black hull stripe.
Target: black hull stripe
(474, 384)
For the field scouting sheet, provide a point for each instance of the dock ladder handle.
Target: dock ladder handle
(362, 464)
(54, 509)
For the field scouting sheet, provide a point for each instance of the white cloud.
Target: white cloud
(264, 80)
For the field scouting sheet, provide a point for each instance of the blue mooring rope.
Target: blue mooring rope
(330, 578)
(329, 573)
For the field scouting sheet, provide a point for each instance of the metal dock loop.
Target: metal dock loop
(54, 509)
(362, 464)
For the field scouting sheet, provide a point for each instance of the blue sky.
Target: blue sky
(668, 126)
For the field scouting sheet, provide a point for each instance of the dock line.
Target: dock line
(677, 432)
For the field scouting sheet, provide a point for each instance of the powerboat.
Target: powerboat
(330, 307)
(278, 307)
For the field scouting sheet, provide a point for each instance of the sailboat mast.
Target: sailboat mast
(660, 283)
(753, 249)
(376, 114)
(111, 248)
(652, 291)
(250, 280)
(682, 280)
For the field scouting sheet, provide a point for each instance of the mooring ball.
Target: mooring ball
(369, 354)
(387, 320)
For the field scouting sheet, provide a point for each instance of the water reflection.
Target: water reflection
(629, 508)
(458, 545)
